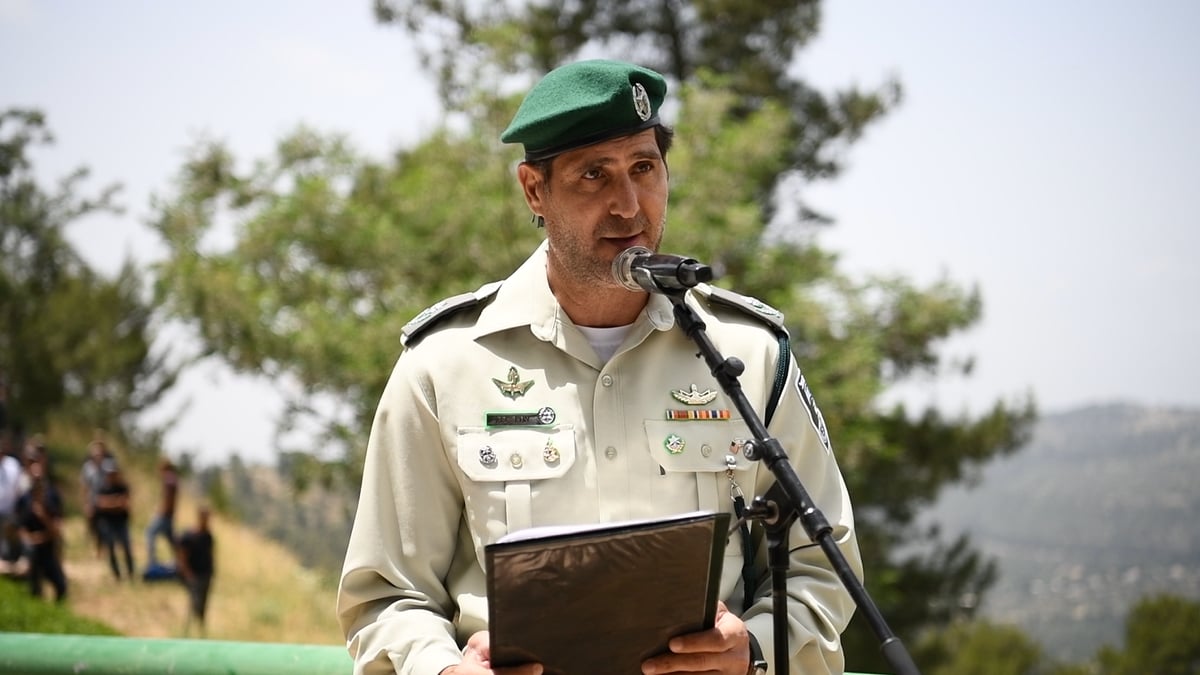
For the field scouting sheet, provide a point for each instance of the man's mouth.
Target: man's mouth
(625, 242)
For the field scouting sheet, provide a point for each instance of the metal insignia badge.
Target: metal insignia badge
(763, 308)
(430, 311)
(487, 456)
(512, 386)
(693, 396)
(641, 102)
(674, 444)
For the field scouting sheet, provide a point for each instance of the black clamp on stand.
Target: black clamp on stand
(786, 501)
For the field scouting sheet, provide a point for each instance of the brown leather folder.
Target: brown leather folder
(601, 599)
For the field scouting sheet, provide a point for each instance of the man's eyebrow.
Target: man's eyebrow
(606, 160)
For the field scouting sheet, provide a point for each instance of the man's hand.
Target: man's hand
(723, 649)
(477, 658)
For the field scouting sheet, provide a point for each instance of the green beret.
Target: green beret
(584, 103)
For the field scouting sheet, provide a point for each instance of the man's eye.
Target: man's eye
(592, 174)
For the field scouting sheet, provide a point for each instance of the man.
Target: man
(195, 562)
(10, 491)
(163, 522)
(112, 517)
(39, 518)
(592, 366)
(91, 479)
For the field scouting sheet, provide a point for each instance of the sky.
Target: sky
(1046, 153)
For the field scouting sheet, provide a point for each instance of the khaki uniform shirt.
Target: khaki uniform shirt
(439, 484)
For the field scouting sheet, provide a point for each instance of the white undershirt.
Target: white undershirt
(605, 341)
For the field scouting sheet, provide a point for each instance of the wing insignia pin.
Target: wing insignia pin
(512, 386)
(694, 396)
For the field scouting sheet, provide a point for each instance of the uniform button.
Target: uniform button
(706, 449)
(610, 452)
(607, 380)
(516, 461)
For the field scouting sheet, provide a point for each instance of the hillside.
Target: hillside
(261, 592)
(1097, 512)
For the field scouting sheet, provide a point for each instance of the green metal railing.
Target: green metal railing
(35, 654)
(39, 654)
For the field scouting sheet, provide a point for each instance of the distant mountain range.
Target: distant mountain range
(1101, 509)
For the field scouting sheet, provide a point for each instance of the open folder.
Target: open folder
(602, 598)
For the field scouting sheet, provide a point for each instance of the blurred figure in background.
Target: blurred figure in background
(91, 479)
(163, 522)
(112, 516)
(39, 519)
(10, 492)
(194, 561)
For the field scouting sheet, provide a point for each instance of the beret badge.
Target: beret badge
(641, 101)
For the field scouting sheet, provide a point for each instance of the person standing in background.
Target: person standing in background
(112, 517)
(163, 522)
(91, 479)
(39, 518)
(195, 562)
(10, 493)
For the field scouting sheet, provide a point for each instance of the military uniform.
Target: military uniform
(500, 416)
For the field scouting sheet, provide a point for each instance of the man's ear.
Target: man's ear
(532, 186)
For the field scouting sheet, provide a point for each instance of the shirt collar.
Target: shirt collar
(525, 299)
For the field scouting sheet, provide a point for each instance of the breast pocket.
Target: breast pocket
(501, 468)
(691, 456)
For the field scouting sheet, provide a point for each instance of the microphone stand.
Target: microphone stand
(783, 503)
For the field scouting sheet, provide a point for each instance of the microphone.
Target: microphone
(639, 269)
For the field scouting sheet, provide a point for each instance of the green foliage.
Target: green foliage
(753, 45)
(981, 648)
(1161, 638)
(332, 256)
(20, 612)
(74, 345)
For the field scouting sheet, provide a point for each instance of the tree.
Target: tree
(75, 347)
(754, 46)
(1160, 638)
(984, 648)
(331, 253)
(332, 258)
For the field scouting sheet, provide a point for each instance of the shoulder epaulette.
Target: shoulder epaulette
(768, 315)
(745, 304)
(443, 309)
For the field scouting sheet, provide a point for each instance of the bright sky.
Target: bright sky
(1044, 151)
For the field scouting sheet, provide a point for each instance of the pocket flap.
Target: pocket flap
(695, 446)
(515, 454)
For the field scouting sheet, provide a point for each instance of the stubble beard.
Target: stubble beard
(578, 263)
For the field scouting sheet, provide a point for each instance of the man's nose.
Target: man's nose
(623, 201)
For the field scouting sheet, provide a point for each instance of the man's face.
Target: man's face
(601, 200)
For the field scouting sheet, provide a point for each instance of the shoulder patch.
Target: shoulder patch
(746, 304)
(443, 309)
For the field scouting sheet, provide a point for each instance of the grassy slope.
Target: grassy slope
(260, 592)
